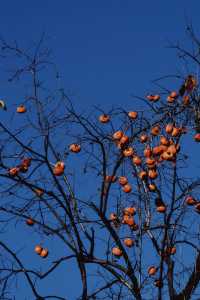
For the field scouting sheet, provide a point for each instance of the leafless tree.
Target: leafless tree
(116, 191)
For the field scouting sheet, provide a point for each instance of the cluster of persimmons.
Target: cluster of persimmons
(147, 164)
(166, 150)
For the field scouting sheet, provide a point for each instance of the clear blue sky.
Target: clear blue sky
(105, 50)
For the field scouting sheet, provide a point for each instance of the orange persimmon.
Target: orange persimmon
(30, 222)
(137, 160)
(133, 115)
(13, 171)
(152, 270)
(21, 109)
(155, 130)
(58, 169)
(44, 253)
(144, 138)
(75, 148)
(104, 118)
(190, 200)
(128, 242)
(117, 135)
(116, 251)
(128, 152)
(153, 98)
(169, 127)
(38, 249)
(127, 188)
(129, 211)
(197, 137)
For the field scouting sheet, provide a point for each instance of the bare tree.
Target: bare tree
(115, 191)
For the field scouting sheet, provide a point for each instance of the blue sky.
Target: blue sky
(105, 50)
